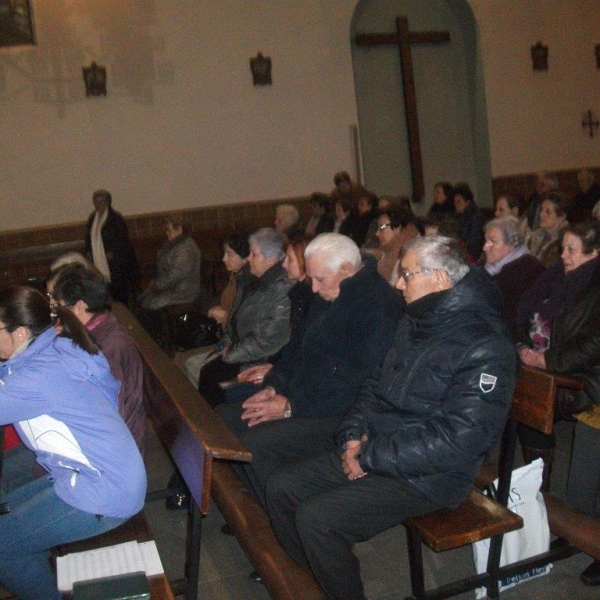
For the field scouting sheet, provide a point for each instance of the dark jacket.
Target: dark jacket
(429, 413)
(575, 340)
(514, 280)
(343, 342)
(123, 265)
(471, 224)
(126, 366)
(258, 323)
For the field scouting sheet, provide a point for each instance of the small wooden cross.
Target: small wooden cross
(403, 39)
(589, 122)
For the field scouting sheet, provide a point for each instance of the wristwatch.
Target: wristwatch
(287, 412)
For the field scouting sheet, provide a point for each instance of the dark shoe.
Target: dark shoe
(177, 501)
(226, 529)
(591, 575)
(255, 577)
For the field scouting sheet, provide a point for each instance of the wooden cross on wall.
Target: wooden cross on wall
(403, 39)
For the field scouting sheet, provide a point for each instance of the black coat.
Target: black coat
(575, 341)
(429, 413)
(343, 343)
(123, 265)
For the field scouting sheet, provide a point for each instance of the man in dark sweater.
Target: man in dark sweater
(350, 327)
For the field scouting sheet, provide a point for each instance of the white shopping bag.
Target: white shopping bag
(526, 500)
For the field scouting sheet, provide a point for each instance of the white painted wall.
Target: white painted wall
(535, 117)
(183, 126)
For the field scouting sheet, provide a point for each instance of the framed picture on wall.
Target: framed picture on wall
(16, 26)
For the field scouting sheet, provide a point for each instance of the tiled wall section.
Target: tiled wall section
(28, 253)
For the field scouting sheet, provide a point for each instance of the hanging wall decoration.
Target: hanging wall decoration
(261, 69)
(16, 27)
(95, 80)
(539, 57)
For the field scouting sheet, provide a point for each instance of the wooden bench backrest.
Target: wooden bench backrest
(535, 396)
(185, 424)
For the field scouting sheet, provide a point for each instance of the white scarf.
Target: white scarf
(495, 268)
(98, 254)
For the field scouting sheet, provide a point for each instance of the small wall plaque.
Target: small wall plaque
(95, 80)
(261, 70)
(539, 56)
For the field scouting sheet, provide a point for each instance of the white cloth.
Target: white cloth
(98, 254)
(495, 267)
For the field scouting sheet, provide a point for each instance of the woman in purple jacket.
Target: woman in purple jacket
(62, 398)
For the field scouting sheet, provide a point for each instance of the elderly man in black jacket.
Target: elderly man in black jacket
(349, 328)
(419, 430)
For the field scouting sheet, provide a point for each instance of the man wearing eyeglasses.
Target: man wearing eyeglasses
(418, 432)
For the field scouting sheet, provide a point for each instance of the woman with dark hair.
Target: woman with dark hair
(395, 227)
(177, 279)
(343, 222)
(85, 294)
(364, 220)
(442, 206)
(321, 220)
(470, 220)
(559, 318)
(545, 241)
(513, 205)
(62, 398)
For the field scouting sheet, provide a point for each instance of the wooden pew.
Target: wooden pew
(174, 405)
(476, 518)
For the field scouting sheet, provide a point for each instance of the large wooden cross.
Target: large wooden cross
(403, 39)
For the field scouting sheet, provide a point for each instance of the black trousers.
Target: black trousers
(318, 515)
(276, 444)
(213, 373)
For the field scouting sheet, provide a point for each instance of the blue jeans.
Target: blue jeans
(17, 468)
(38, 521)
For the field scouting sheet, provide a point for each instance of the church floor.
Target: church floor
(224, 568)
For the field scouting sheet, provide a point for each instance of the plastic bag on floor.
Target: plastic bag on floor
(526, 500)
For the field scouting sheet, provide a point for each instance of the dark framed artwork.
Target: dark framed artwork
(16, 25)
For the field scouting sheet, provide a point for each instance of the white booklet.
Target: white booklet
(103, 562)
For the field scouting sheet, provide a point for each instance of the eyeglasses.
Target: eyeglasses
(384, 226)
(406, 275)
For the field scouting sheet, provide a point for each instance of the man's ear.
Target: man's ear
(80, 308)
(442, 280)
(347, 269)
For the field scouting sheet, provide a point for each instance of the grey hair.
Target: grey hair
(440, 253)
(270, 242)
(512, 234)
(70, 258)
(288, 213)
(550, 178)
(334, 249)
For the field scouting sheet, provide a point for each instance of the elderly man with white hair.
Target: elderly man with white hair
(419, 429)
(349, 328)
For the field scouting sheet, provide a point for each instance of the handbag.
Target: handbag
(532, 539)
(571, 402)
(194, 330)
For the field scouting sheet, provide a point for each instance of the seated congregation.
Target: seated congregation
(366, 359)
